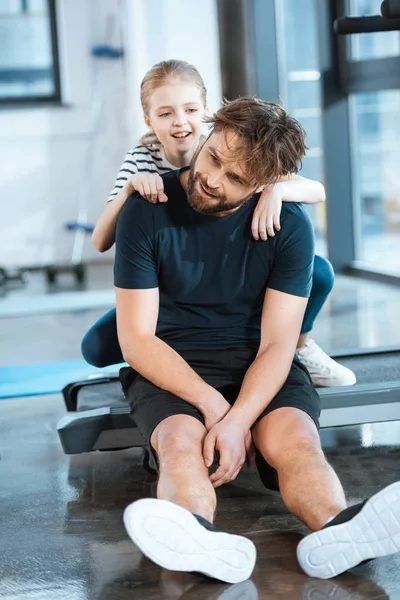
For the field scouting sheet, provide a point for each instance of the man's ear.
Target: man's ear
(260, 189)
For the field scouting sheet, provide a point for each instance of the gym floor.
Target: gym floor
(61, 530)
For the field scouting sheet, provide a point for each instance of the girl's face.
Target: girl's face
(175, 115)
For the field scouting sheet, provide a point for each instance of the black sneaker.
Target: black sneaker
(360, 532)
(177, 540)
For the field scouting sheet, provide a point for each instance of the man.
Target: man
(210, 318)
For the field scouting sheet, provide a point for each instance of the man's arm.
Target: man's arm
(137, 296)
(280, 329)
(137, 314)
(281, 323)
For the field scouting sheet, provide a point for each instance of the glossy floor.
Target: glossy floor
(61, 526)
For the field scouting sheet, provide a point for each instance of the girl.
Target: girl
(174, 101)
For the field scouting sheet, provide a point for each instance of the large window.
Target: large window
(28, 57)
(361, 93)
(376, 143)
(300, 89)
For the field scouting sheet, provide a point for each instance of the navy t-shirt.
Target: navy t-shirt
(211, 274)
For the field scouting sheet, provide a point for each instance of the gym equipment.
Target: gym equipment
(98, 413)
(81, 227)
(388, 21)
(104, 56)
(17, 276)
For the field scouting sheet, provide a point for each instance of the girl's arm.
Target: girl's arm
(293, 188)
(103, 236)
(148, 184)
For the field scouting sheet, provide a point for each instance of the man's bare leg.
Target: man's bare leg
(175, 530)
(289, 441)
(310, 488)
(183, 477)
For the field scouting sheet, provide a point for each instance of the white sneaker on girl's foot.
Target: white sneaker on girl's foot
(324, 371)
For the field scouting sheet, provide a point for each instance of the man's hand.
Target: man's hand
(232, 442)
(215, 409)
(149, 185)
(266, 216)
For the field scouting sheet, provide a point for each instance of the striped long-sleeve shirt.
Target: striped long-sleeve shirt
(141, 159)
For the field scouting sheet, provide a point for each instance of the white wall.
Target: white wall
(45, 176)
(164, 29)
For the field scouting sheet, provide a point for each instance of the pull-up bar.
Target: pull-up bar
(389, 20)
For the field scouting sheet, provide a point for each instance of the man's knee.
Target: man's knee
(301, 447)
(290, 437)
(179, 435)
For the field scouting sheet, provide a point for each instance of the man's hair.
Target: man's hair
(272, 143)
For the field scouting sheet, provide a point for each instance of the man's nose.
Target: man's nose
(213, 181)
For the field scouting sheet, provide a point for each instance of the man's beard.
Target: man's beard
(205, 206)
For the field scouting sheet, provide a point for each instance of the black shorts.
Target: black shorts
(224, 370)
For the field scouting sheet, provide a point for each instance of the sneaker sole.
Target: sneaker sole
(173, 538)
(332, 382)
(373, 532)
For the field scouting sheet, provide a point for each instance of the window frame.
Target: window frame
(55, 97)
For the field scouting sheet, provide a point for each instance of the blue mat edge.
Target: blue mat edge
(68, 375)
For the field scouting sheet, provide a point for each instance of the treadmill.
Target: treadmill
(98, 413)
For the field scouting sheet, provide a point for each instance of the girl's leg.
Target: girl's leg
(324, 371)
(322, 284)
(100, 346)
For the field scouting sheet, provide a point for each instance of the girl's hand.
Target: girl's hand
(266, 216)
(149, 185)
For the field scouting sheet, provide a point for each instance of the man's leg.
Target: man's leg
(175, 530)
(183, 476)
(343, 537)
(288, 440)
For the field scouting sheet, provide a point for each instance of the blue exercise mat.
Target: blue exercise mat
(44, 304)
(46, 378)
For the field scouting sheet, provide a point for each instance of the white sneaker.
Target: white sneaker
(324, 371)
(175, 539)
(361, 532)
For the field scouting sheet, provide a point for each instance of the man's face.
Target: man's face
(217, 182)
